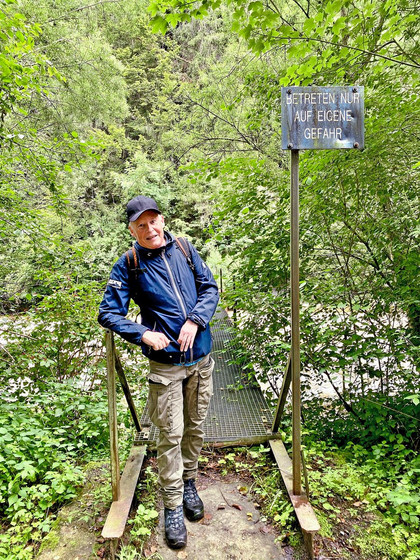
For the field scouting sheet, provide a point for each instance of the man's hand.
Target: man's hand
(157, 340)
(187, 335)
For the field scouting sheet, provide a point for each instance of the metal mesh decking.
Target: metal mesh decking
(237, 409)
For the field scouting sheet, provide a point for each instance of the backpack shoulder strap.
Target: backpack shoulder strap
(185, 248)
(133, 265)
(132, 260)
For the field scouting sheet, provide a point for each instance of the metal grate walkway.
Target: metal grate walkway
(237, 409)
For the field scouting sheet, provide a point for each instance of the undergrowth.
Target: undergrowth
(366, 501)
(370, 496)
(47, 438)
(43, 438)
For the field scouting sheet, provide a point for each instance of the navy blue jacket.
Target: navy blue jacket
(168, 293)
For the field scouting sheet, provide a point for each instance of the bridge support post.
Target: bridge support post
(112, 415)
(294, 294)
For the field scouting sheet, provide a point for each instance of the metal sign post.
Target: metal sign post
(294, 293)
(313, 118)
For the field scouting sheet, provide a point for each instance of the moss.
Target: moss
(378, 543)
(52, 540)
(78, 516)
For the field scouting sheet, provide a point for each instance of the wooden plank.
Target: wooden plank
(304, 512)
(287, 377)
(243, 442)
(118, 513)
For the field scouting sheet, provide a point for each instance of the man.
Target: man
(177, 296)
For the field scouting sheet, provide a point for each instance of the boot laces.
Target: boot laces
(175, 517)
(190, 491)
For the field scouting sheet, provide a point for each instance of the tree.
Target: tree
(359, 210)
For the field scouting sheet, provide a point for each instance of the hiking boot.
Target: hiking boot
(193, 506)
(175, 530)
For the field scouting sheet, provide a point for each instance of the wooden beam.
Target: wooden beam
(242, 442)
(303, 509)
(127, 392)
(112, 414)
(118, 513)
(287, 377)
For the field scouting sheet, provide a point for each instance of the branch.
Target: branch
(83, 8)
(350, 254)
(29, 234)
(390, 408)
(416, 65)
(346, 405)
(375, 263)
(244, 138)
(234, 67)
(403, 51)
(302, 8)
(63, 39)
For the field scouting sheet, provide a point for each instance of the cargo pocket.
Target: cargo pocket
(160, 405)
(205, 388)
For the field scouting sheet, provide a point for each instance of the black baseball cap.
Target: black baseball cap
(140, 204)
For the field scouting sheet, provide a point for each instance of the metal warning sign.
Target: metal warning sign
(322, 118)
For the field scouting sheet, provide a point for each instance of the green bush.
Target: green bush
(376, 489)
(42, 437)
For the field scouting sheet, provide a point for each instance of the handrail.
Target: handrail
(112, 414)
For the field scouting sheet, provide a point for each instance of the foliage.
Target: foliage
(366, 500)
(95, 108)
(378, 485)
(316, 37)
(59, 337)
(21, 68)
(43, 433)
(34, 153)
(142, 521)
(359, 211)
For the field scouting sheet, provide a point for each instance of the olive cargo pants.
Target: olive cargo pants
(179, 397)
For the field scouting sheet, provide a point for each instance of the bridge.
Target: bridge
(238, 416)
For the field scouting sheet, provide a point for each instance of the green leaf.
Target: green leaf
(309, 25)
(339, 25)
(13, 499)
(159, 24)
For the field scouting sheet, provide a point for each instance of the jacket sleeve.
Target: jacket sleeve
(114, 306)
(207, 291)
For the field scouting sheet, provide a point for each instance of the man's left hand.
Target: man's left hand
(187, 335)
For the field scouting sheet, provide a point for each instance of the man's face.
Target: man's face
(148, 230)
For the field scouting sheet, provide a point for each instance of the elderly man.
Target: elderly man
(177, 296)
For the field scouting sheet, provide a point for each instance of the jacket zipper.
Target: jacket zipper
(176, 291)
(174, 286)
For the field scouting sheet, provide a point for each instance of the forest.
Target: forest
(181, 101)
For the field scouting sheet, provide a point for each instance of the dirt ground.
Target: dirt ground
(231, 528)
